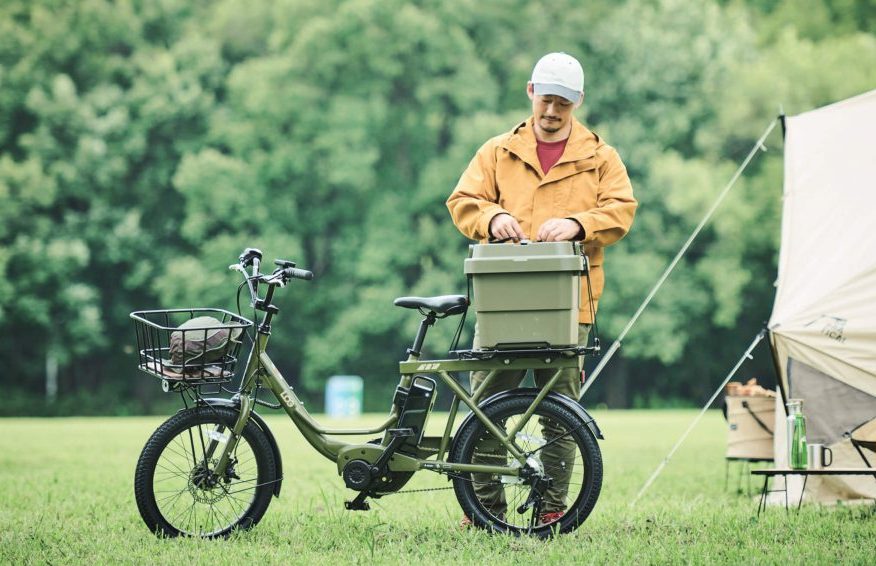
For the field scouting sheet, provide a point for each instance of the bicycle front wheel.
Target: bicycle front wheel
(561, 451)
(175, 484)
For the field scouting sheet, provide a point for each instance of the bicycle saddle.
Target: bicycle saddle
(444, 304)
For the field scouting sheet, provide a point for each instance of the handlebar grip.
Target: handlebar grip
(296, 273)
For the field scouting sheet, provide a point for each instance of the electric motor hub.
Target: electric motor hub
(357, 475)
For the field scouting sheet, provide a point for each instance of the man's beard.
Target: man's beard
(550, 129)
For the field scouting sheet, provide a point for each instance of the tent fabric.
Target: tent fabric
(827, 263)
(837, 408)
(823, 323)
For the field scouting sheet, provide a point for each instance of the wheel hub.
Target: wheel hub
(203, 481)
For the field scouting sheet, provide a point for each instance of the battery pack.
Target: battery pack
(414, 404)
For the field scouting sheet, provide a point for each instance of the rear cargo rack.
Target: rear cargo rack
(538, 352)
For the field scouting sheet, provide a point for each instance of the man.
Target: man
(549, 179)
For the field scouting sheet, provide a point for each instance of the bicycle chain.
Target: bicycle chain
(449, 476)
(420, 490)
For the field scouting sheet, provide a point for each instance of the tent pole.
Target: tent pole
(746, 355)
(758, 145)
(777, 368)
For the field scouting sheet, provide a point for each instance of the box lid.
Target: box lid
(524, 258)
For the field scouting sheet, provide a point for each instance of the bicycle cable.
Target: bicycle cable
(454, 344)
(262, 402)
(253, 343)
(590, 300)
(246, 333)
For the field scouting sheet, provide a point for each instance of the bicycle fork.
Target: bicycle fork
(230, 439)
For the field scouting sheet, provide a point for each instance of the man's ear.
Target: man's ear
(580, 101)
(529, 91)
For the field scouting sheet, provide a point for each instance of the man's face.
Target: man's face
(552, 113)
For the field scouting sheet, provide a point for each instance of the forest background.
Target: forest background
(145, 143)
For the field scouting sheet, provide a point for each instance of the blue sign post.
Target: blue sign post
(343, 396)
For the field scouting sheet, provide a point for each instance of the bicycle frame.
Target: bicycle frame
(260, 369)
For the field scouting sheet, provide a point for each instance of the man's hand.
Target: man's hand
(505, 227)
(559, 230)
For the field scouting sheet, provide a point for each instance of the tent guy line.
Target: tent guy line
(758, 145)
(746, 356)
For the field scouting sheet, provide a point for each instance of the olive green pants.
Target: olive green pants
(558, 458)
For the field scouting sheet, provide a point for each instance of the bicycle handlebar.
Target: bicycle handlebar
(292, 272)
(282, 275)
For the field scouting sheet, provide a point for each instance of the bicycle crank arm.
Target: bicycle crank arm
(358, 475)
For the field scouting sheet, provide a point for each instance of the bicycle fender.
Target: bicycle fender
(566, 402)
(257, 419)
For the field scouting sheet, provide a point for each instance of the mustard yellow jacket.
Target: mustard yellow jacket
(589, 184)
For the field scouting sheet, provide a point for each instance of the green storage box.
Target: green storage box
(526, 295)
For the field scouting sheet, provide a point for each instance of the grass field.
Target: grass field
(66, 498)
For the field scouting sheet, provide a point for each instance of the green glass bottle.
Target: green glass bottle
(797, 457)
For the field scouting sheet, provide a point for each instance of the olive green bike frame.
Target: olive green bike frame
(261, 370)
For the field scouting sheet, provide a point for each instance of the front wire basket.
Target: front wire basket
(200, 353)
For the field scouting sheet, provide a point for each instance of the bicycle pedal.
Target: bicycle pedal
(357, 506)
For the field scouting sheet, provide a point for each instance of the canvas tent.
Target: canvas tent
(823, 324)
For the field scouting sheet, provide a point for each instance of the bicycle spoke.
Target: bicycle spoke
(182, 451)
(179, 472)
(175, 497)
(225, 518)
(187, 512)
(213, 518)
(251, 488)
(242, 502)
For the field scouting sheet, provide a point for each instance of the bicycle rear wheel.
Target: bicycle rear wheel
(561, 451)
(176, 487)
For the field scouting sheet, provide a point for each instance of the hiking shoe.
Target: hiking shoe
(466, 522)
(548, 518)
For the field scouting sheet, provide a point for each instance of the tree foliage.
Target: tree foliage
(144, 143)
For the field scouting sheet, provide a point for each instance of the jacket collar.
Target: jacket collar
(581, 146)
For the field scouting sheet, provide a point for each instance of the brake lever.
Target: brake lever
(276, 278)
(247, 279)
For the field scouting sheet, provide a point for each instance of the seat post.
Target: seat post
(421, 334)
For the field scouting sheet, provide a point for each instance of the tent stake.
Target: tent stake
(746, 355)
(758, 145)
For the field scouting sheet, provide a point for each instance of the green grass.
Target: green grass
(66, 498)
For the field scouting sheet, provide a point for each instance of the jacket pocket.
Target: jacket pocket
(577, 192)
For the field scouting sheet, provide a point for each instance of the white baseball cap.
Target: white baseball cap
(559, 74)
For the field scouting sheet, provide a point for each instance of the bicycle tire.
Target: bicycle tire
(478, 494)
(175, 492)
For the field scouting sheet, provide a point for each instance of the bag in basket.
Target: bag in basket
(203, 346)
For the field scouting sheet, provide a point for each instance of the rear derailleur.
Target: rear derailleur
(539, 484)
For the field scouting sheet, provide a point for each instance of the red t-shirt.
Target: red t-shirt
(549, 153)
